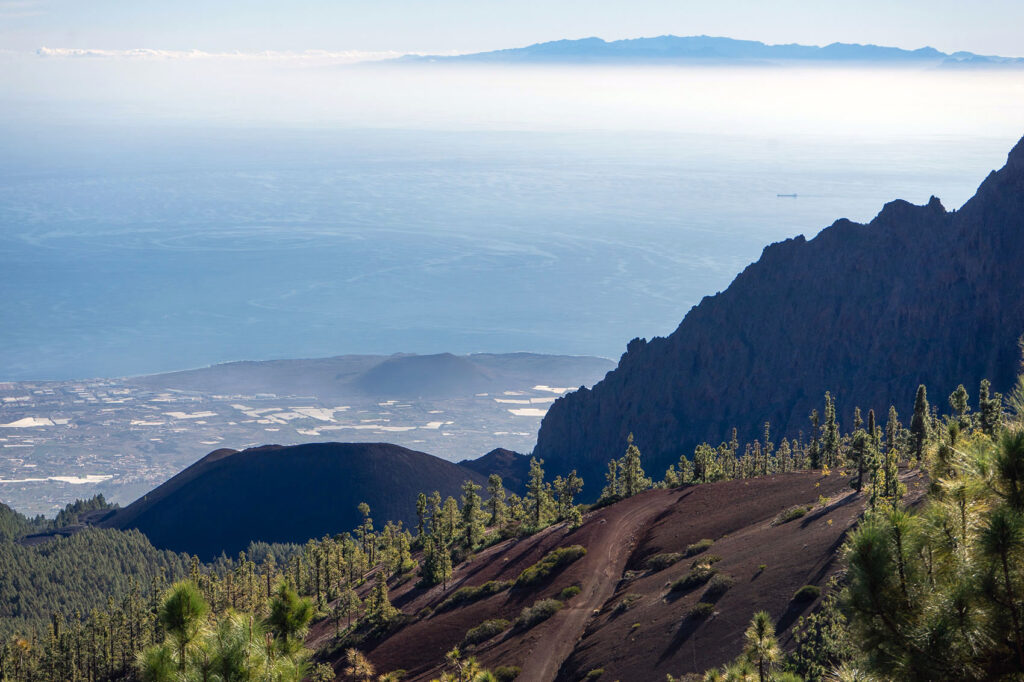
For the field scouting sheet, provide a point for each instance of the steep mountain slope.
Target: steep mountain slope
(286, 494)
(918, 295)
(592, 630)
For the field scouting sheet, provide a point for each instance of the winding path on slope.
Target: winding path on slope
(614, 546)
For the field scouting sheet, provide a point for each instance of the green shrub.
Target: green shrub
(506, 673)
(699, 546)
(627, 602)
(717, 586)
(695, 578)
(701, 610)
(538, 613)
(554, 560)
(791, 514)
(807, 593)
(660, 562)
(594, 674)
(484, 631)
(468, 594)
(569, 592)
(706, 559)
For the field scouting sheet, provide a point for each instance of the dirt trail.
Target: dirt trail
(609, 553)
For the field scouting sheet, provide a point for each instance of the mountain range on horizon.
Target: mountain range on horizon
(703, 49)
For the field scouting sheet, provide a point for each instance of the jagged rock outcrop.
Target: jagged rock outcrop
(868, 312)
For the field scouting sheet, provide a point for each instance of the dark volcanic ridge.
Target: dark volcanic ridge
(513, 468)
(919, 295)
(286, 494)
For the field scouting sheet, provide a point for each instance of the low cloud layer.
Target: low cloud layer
(303, 57)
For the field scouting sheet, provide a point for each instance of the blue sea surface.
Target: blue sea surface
(129, 250)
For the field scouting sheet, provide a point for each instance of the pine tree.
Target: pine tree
(958, 400)
(633, 478)
(359, 667)
(874, 464)
(873, 430)
(434, 511)
(613, 489)
(404, 562)
(860, 452)
(785, 456)
(537, 494)
(516, 509)
(182, 617)
(893, 429)
(919, 422)
(937, 595)
(565, 490)
(472, 524)
(704, 469)
(421, 514)
(289, 617)
(769, 447)
(814, 448)
(830, 433)
(347, 605)
(671, 479)
(685, 470)
(761, 647)
(496, 501)
(990, 409)
(379, 610)
(443, 568)
(449, 522)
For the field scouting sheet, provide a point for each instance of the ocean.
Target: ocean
(138, 245)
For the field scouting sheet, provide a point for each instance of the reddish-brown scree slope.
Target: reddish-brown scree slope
(626, 620)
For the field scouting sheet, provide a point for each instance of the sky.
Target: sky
(447, 26)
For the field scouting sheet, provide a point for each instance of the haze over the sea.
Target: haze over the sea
(192, 203)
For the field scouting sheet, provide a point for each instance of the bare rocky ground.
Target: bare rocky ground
(626, 620)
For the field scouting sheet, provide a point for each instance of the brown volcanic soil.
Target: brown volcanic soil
(653, 636)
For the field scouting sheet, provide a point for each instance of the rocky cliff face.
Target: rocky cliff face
(868, 312)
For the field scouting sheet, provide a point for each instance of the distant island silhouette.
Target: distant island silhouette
(717, 50)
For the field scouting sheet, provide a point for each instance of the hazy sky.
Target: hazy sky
(984, 26)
